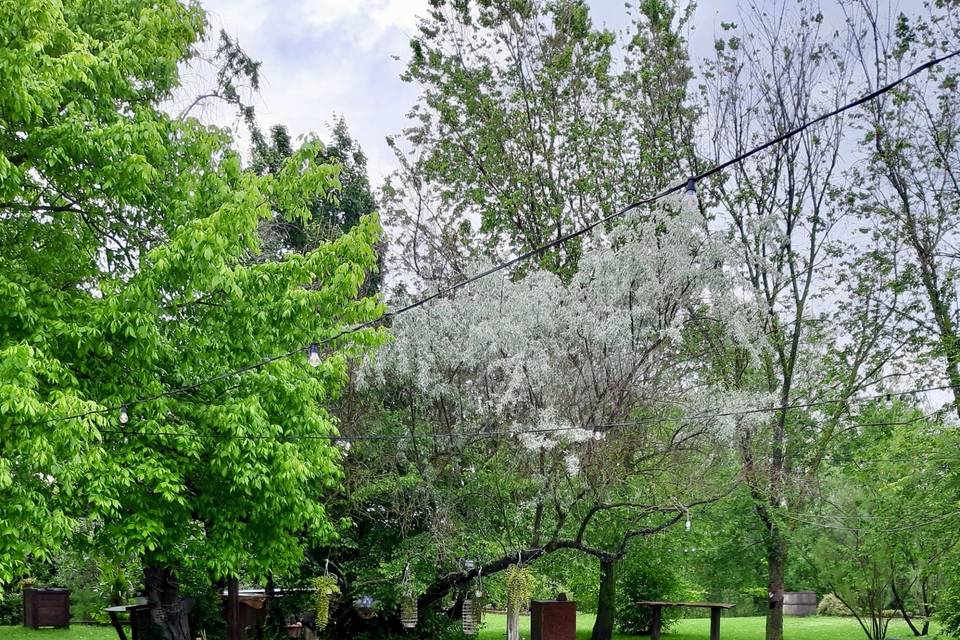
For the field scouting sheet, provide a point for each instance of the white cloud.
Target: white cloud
(326, 57)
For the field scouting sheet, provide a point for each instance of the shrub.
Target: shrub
(830, 605)
(11, 603)
(645, 575)
(948, 609)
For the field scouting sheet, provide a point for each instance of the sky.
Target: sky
(322, 58)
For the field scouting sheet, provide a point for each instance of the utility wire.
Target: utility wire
(523, 256)
(906, 527)
(603, 429)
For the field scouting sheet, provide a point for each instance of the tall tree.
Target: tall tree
(126, 271)
(332, 213)
(526, 129)
(475, 368)
(781, 209)
(907, 193)
(532, 123)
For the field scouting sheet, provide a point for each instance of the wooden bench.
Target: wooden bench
(657, 606)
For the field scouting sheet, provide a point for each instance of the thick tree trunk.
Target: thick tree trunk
(606, 602)
(167, 610)
(776, 569)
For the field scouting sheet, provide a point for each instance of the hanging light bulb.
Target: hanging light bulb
(124, 416)
(313, 356)
(688, 524)
(689, 202)
(344, 445)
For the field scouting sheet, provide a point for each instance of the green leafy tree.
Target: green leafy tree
(527, 129)
(887, 520)
(331, 213)
(906, 193)
(334, 212)
(127, 271)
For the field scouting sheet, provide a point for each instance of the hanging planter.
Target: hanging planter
(479, 599)
(469, 616)
(365, 606)
(409, 614)
(408, 611)
(325, 588)
(519, 583)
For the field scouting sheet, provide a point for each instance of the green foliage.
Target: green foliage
(519, 587)
(11, 606)
(886, 528)
(129, 267)
(325, 588)
(206, 615)
(523, 105)
(645, 574)
(949, 611)
(571, 572)
(332, 212)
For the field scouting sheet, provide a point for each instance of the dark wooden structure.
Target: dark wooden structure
(246, 610)
(553, 620)
(46, 608)
(657, 606)
(234, 630)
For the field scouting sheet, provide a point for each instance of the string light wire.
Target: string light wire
(599, 430)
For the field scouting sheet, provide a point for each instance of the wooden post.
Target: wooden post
(714, 623)
(233, 609)
(513, 623)
(655, 622)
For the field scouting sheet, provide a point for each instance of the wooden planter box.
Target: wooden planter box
(553, 620)
(46, 608)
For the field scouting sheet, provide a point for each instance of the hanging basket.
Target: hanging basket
(519, 583)
(470, 618)
(325, 588)
(408, 611)
(479, 602)
(365, 607)
(409, 614)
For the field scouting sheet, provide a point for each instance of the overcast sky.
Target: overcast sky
(325, 57)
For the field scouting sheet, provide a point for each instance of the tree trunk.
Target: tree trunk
(167, 609)
(776, 569)
(606, 602)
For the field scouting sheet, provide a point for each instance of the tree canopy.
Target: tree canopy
(127, 271)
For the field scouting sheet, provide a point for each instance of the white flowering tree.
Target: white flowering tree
(587, 394)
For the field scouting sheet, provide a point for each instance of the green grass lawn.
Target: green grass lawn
(813, 628)
(75, 632)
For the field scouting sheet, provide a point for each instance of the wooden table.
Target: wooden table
(658, 605)
(133, 610)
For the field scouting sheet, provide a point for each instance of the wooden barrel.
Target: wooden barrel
(799, 603)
